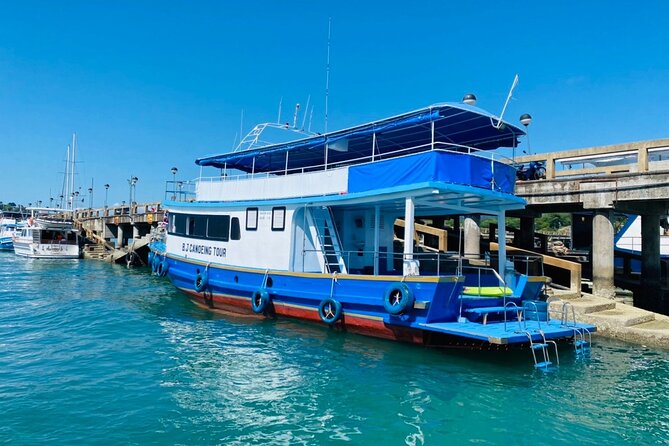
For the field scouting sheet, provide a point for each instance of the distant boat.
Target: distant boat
(628, 246)
(47, 236)
(628, 239)
(9, 221)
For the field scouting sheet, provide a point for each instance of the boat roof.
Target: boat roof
(457, 126)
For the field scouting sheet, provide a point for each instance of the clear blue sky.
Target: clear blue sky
(151, 85)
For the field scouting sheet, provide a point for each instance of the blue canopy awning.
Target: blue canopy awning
(457, 125)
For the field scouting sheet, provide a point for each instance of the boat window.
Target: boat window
(278, 219)
(178, 224)
(219, 227)
(196, 225)
(235, 230)
(251, 219)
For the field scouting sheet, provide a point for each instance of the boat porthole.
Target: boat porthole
(236, 279)
(398, 298)
(329, 310)
(269, 282)
(260, 300)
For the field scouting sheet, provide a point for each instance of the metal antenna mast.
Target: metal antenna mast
(74, 165)
(508, 98)
(306, 109)
(311, 115)
(327, 76)
(241, 123)
(278, 119)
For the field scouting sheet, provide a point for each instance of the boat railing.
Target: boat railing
(184, 190)
(115, 211)
(428, 263)
(482, 271)
(631, 242)
(180, 190)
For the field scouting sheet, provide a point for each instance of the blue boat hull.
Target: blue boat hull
(433, 319)
(6, 244)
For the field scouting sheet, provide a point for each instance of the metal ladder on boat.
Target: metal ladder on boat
(544, 361)
(328, 239)
(582, 336)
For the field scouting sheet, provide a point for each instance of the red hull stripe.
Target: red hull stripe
(353, 322)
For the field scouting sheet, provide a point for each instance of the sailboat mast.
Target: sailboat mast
(64, 204)
(74, 144)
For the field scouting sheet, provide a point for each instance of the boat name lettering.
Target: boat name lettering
(203, 249)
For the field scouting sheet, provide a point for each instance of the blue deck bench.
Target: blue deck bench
(485, 311)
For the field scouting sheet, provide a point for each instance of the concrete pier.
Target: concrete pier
(630, 178)
(616, 320)
(651, 274)
(526, 234)
(602, 255)
(472, 233)
(118, 231)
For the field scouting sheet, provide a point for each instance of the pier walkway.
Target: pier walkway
(120, 233)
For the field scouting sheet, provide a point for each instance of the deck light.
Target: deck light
(174, 171)
(526, 119)
(106, 194)
(469, 99)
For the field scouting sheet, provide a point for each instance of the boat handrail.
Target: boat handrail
(438, 146)
(438, 257)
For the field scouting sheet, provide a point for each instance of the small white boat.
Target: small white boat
(47, 237)
(9, 221)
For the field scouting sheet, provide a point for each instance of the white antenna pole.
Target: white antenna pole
(311, 115)
(241, 124)
(306, 109)
(508, 98)
(327, 76)
(278, 119)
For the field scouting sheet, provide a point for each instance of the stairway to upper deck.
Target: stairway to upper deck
(327, 238)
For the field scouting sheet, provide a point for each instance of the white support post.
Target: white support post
(373, 145)
(410, 267)
(501, 239)
(377, 230)
(432, 146)
(327, 148)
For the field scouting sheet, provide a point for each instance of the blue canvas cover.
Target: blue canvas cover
(447, 167)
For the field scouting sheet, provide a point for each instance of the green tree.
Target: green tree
(552, 222)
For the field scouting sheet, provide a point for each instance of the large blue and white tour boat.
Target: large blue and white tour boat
(305, 229)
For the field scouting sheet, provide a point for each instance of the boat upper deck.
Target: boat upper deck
(456, 127)
(437, 172)
(445, 146)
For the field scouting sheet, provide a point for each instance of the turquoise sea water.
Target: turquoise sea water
(97, 354)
